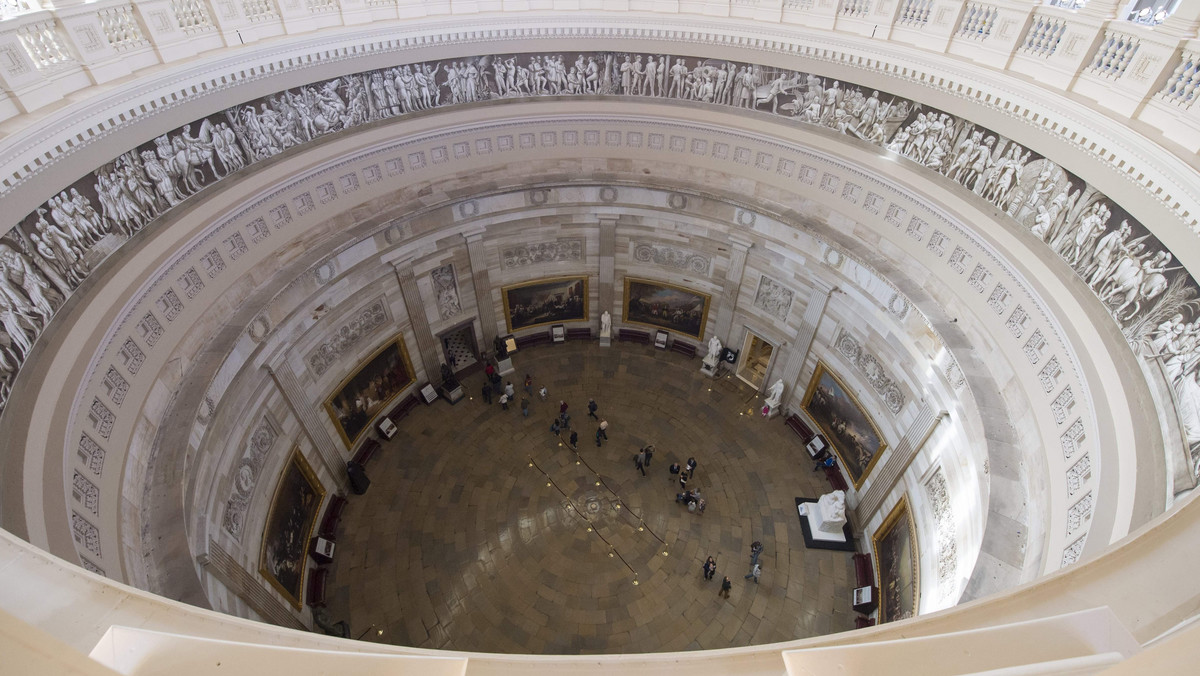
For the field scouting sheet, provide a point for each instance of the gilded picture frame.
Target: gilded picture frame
(847, 426)
(375, 384)
(289, 527)
(898, 561)
(545, 301)
(665, 306)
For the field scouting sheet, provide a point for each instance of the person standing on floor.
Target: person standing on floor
(525, 406)
(639, 461)
(574, 440)
(756, 549)
(755, 572)
(554, 427)
(592, 408)
(673, 471)
(691, 467)
(504, 401)
(602, 432)
(510, 390)
(710, 568)
(726, 585)
(683, 479)
(542, 393)
(562, 407)
(528, 384)
(649, 454)
(487, 394)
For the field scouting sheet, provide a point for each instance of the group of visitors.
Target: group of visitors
(710, 569)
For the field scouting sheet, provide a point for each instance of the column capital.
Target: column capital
(741, 244)
(404, 268)
(473, 235)
(823, 286)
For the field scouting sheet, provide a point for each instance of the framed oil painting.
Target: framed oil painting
(846, 426)
(895, 545)
(372, 386)
(546, 301)
(289, 527)
(666, 306)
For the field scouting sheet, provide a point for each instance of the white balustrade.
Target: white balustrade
(1180, 87)
(44, 44)
(1068, 4)
(320, 6)
(1114, 54)
(192, 16)
(856, 8)
(914, 12)
(259, 10)
(1044, 35)
(121, 28)
(11, 8)
(978, 21)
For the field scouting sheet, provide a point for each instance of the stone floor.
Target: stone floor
(472, 534)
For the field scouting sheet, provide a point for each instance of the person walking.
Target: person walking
(710, 568)
(683, 479)
(574, 440)
(639, 461)
(510, 390)
(691, 467)
(592, 408)
(562, 407)
(602, 432)
(649, 454)
(726, 585)
(487, 394)
(504, 401)
(673, 471)
(554, 427)
(755, 572)
(542, 393)
(528, 384)
(525, 406)
(756, 549)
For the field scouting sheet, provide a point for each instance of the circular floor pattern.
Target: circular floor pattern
(475, 536)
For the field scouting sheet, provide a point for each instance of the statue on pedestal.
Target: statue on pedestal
(605, 324)
(775, 394)
(714, 350)
(831, 512)
(501, 349)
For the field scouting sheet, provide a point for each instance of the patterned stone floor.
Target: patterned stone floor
(461, 544)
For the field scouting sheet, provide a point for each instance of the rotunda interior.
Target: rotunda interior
(258, 255)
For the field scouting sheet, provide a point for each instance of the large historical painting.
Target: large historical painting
(895, 545)
(375, 383)
(666, 306)
(546, 301)
(845, 424)
(289, 526)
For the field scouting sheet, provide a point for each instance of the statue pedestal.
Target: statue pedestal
(772, 410)
(452, 394)
(709, 367)
(605, 336)
(814, 537)
(504, 366)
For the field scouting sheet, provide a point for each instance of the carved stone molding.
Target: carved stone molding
(869, 366)
(672, 257)
(445, 286)
(564, 250)
(943, 518)
(773, 298)
(246, 475)
(370, 317)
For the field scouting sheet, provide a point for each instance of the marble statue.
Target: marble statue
(605, 324)
(775, 394)
(714, 350)
(831, 512)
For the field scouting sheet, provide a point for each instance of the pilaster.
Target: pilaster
(802, 343)
(885, 478)
(415, 306)
(606, 294)
(731, 288)
(297, 400)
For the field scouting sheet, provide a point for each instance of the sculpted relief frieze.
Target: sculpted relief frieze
(364, 323)
(672, 257)
(868, 364)
(246, 475)
(773, 298)
(568, 250)
(445, 288)
(54, 248)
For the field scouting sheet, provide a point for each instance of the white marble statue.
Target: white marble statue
(605, 324)
(714, 350)
(775, 394)
(831, 512)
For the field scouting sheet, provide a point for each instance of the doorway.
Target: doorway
(756, 357)
(460, 348)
